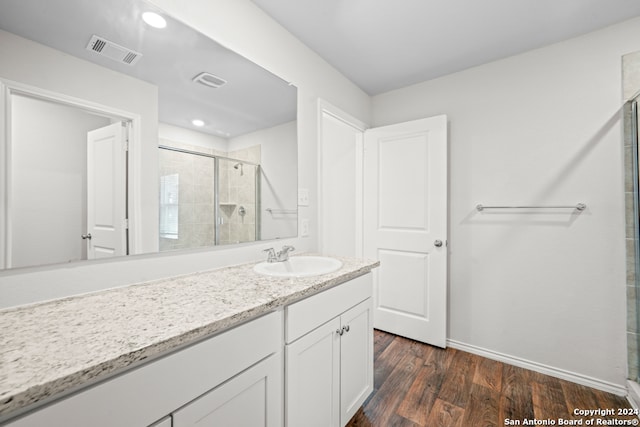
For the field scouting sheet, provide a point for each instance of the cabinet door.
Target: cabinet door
(313, 378)
(356, 359)
(251, 399)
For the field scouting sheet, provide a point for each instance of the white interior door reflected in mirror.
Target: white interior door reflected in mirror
(46, 204)
(106, 191)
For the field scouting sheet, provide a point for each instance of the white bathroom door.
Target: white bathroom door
(405, 227)
(106, 191)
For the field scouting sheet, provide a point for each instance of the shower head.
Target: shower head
(241, 166)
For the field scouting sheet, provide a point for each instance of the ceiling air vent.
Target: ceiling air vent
(209, 79)
(113, 51)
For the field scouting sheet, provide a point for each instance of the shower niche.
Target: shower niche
(208, 197)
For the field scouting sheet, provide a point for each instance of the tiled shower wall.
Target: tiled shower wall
(238, 197)
(631, 85)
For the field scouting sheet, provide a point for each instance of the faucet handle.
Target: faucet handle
(283, 255)
(271, 254)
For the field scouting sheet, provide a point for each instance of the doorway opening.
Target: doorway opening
(50, 210)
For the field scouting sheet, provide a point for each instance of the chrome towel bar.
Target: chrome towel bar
(282, 211)
(579, 207)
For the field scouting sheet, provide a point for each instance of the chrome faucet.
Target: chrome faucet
(281, 256)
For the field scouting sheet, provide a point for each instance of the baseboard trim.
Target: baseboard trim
(620, 390)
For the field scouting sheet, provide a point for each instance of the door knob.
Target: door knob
(86, 236)
(437, 243)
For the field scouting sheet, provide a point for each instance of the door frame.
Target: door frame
(325, 107)
(134, 156)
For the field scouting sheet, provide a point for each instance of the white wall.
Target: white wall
(244, 28)
(48, 181)
(192, 137)
(279, 176)
(542, 127)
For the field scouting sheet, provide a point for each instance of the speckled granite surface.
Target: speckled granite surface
(50, 348)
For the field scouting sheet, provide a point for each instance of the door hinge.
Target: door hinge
(125, 223)
(126, 127)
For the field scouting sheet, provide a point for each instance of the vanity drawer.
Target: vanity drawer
(306, 315)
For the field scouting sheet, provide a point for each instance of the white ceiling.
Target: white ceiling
(252, 99)
(383, 45)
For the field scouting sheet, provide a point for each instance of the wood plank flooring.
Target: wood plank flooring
(417, 385)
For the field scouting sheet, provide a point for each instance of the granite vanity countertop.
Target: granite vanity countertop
(53, 347)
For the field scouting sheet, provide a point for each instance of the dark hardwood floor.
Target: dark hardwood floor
(418, 385)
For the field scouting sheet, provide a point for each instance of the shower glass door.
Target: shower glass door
(187, 200)
(207, 200)
(238, 201)
(632, 192)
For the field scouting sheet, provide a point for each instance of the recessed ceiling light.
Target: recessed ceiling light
(197, 122)
(153, 19)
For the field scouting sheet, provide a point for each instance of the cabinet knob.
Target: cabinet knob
(342, 330)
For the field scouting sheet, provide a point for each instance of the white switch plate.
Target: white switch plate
(303, 197)
(304, 228)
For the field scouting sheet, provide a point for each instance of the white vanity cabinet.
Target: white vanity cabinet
(329, 355)
(227, 376)
(309, 363)
(252, 399)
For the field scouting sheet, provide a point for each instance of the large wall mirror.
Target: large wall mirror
(122, 137)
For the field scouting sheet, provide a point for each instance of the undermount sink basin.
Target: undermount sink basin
(299, 266)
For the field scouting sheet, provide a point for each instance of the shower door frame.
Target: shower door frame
(630, 113)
